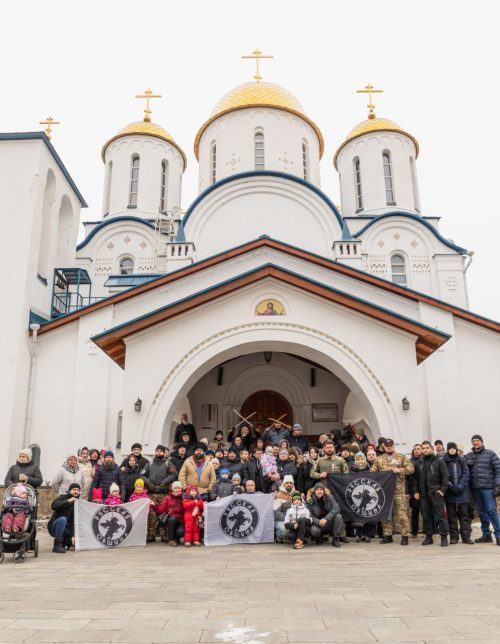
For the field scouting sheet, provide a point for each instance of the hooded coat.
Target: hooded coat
(459, 476)
(104, 478)
(331, 507)
(130, 475)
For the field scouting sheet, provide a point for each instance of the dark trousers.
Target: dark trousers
(415, 516)
(175, 529)
(430, 505)
(458, 513)
(301, 531)
(367, 530)
(334, 528)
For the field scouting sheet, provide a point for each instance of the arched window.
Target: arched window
(126, 266)
(213, 163)
(305, 160)
(259, 150)
(357, 185)
(107, 195)
(163, 186)
(398, 269)
(416, 198)
(389, 190)
(134, 182)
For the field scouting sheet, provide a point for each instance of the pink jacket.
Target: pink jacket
(113, 500)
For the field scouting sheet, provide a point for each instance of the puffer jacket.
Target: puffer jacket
(331, 507)
(104, 478)
(130, 474)
(484, 467)
(296, 512)
(171, 505)
(31, 470)
(159, 474)
(64, 478)
(235, 467)
(459, 476)
(221, 489)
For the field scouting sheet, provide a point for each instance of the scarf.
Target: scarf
(72, 470)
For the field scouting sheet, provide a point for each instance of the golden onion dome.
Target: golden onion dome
(258, 94)
(145, 128)
(374, 124)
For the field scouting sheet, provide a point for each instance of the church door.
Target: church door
(267, 404)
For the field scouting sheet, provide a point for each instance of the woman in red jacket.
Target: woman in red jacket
(171, 507)
(193, 511)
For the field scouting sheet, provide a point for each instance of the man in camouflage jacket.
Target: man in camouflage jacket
(329, 463)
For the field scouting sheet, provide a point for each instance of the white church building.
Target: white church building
(262, 296)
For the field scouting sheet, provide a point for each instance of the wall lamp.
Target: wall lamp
(406, 404)
(138, 404)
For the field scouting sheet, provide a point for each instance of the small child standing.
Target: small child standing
(297, 520)
(236, 481)
(17, 508)
(223, 487)
(114, 495)
(193, 511)
(140, 492)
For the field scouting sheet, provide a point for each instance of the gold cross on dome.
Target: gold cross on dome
(257, 55)
(369, 89)
(148, 95)
(49, 122)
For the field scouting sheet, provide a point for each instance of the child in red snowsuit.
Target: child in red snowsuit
(193, 510)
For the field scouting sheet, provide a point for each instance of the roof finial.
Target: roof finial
(257, 55)
(148, 95)
(49, 122)
(369, 89)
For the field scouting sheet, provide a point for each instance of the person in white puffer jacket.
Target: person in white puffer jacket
(69, 473)
(297, 520)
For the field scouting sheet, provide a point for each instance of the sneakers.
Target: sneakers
(428, 541)
(172, 543)
(444, 540)
(196, 543)
(299, 544)
(404, 541)
(387, 539)
(486, 538)
(187, 544)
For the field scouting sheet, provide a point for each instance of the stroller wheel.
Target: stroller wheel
(36, 548)
(2, 557)
(20, 556)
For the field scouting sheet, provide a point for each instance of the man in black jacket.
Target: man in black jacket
(136, 450)
(233, 463)
(297, 440)
(159, 474)
(108, 473)
(431, 477)
(325, 515)
(185, 426)
(484, 467)
(251, 470)
(61, 525)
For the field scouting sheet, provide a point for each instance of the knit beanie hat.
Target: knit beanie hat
(109, 453)
(139, 482)
(296, 495)
(297, 426)
(288, 478)
(236, 477)
(200, 446)
(27, 452)
(359, 432)
(478, 437)
(19, 489)
(175, 485)
(360, 457)
(215, 461)
(452, 445)
(269, 449)
(73, 485)
(113, 488)
(161, 447)
(191, 488)
(319, 486)
(224, 472)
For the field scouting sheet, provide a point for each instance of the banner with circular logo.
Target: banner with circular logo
(363, 496)
(245, 518)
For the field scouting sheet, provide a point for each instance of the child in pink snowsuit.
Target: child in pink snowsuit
(17, 508)
(193, 510)
(268, 462)
(114, 495)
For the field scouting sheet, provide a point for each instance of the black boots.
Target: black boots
(58, 547)
(486, 538)
(387, 539)
(498, 541)
(428, 541)
(404, 541)
(468, 541)
(444, 540)
(336, 542)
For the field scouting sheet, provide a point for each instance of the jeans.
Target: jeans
(280, 531)
(434, 505)
(60, 531)
(175, 529)
(486, 505)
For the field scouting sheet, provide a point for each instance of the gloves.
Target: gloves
(455, 490)
(497, 490)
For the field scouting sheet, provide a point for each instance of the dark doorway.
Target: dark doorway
(267, 404)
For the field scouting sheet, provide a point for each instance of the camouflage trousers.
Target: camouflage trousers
(399, 517)
(153, 519)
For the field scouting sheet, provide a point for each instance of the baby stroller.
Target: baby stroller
(20, 542)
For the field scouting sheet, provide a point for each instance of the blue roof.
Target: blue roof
(25, 136)
(112, 220)
(420, 220)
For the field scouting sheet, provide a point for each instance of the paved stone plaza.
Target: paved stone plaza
(252, 594)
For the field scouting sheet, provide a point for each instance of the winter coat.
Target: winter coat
(354, 468)
(31, 470)
(188, 427)
(86, 470)
(113, 500)
(387, 462)
(329, 464)
(62, 508)
(214, 445)
(276, 435)
(304, 479)
(296, 512)
(178, 461)
(235, 467)
(459, 476)
(285, 468)
(159, 474)
(63, 479)
(300, 442)
(221, 489)
(130, 476)
(252, 472)
(189, 475)
(331, 507)
(171, 505)
(142, 461)
(363, 444)
(104, 478)
(137, 497)
(432, 468)
(484, 467)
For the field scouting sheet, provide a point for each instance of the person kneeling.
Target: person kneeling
(298, 520)
(325, 514)
(61, 525)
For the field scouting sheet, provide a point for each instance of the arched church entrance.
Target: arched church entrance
(265, 405)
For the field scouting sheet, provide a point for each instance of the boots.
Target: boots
(58, 547)
(444, 540)
(486, 538)
(404, 541)
(498, 541)
(468, 541)
(387, 539)
(428, 541)
(336, 542)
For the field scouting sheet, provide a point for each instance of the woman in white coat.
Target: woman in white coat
(69, 473)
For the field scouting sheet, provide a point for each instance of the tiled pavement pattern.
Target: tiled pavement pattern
(253, 594)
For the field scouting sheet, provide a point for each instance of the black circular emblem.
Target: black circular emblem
(239, 519)
(365, 497)
(112, 524)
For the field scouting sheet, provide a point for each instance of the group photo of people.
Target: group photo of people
(439, 489)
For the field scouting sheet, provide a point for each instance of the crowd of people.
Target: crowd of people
(446, 486)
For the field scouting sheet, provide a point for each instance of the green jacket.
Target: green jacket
(330, 465)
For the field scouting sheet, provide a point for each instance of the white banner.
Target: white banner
(245, 518)
(110, 526)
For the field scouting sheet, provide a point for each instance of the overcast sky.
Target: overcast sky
(437, 63)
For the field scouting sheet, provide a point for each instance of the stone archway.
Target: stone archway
(268, 404)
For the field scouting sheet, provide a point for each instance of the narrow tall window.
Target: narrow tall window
(259, 150)
(163, 186)
(134, 181)
(416, 199)
(357, 185)
(126, 266)
(398, 269)
(108, 188)
(305, 160)
(389, 191)
(213, 163)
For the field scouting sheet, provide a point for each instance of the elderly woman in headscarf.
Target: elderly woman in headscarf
(67, 474)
